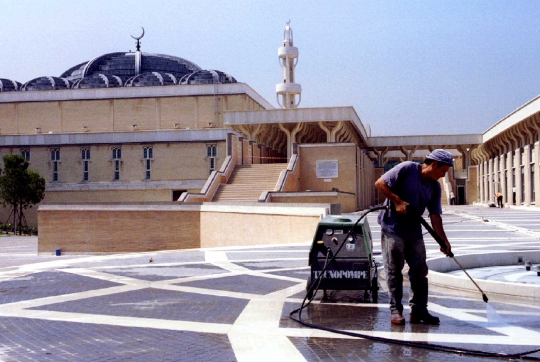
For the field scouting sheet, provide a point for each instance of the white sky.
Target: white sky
(407, 67)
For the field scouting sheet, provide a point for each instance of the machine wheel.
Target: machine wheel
(374, 290)
(309, 294)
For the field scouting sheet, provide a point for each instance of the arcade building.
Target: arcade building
(139, 128)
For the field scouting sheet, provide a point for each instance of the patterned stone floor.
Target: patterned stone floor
(233, 304)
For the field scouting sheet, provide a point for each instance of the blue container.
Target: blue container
(58, 252)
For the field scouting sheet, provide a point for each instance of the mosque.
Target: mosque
(138, 128)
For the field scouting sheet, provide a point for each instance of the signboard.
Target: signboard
(327, 169)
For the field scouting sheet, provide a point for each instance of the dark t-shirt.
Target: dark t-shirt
(405, 180)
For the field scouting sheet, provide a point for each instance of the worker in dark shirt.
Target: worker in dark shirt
(412, 187)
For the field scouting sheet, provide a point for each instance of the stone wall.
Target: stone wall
(139, 228)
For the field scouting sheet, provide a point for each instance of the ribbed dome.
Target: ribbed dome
(207, 77)
(132, 69)
(123, 66)
(98, 80)
(8, 85)
(46, 83)
(151, 79)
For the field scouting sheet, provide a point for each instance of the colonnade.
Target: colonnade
(508, 163)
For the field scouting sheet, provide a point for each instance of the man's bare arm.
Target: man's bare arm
(436, 222)
(401, 206)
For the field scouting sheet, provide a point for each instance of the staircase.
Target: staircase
(248, 182)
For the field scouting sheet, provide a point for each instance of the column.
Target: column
(527, 174)
(519, 181)
(491, 180)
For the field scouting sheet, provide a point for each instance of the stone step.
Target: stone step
(248, 182)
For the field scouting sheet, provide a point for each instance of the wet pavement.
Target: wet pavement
(233, 304)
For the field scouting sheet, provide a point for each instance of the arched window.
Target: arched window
(26, 155)
(85, 156)
(148, 155)
(55, 159)
(116, 159)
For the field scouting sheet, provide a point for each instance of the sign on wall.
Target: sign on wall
(327, 169)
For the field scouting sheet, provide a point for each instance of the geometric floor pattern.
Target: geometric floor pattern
(232, 304)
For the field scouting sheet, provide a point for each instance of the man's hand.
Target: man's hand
(401, 206)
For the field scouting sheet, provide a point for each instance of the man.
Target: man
(411, 187)
(499, 197)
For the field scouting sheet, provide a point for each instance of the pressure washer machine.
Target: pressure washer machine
(342, 258)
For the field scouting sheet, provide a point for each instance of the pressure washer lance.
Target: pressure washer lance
(449, 253)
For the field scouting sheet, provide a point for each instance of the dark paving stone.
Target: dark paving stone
(273, 248)
(155, 273)
(48, 284)
(124, 260)
(37, 340)
(242, 284)
(329, 349)
(267, 255)
(371, 318)
(159, 304)
(300, 274)
(277, 264)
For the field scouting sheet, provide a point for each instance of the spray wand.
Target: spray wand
(449, 253)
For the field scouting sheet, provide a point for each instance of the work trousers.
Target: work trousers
(396, 251)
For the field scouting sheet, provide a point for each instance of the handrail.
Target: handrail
(212, 183)
(282, 180)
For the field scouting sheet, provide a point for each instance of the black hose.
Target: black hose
(433, 347)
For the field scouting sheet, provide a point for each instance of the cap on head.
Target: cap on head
(441, 156)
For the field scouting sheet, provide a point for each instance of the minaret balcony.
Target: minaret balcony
(291, 52)
(291, 88)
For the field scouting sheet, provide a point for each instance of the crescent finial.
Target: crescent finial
(138, 44)
(288, 22)
(140, 37)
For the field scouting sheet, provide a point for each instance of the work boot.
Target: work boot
(397, 318)
(423, 317)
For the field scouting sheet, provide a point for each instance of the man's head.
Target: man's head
(437, 164)
(441, 156)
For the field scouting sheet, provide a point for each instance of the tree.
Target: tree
(20, 188)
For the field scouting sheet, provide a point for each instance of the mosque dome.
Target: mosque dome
(207, 77)
(123, 66)
(151, 79)
(124, 69)
(8, 85)
(46, 83)
(98, 80)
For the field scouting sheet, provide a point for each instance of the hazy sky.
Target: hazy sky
(407, 67)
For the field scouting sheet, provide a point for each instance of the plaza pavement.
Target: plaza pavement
(232, 304)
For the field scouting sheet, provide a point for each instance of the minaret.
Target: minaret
(288, 58)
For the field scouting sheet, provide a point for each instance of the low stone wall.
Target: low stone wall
(440, 266)
(137, 228)
(346, 200)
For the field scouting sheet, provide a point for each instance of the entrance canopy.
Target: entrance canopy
(279, 129)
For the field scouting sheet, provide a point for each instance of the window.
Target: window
(116, 158)
(148, 155)
(55, 154)
(211, 154)
(55, 159)
(211, 151)
(26, 155)
(85, 156)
